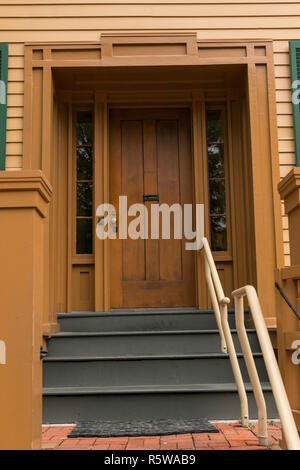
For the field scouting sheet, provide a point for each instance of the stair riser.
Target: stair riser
(224, 405)
(179, 321)
(140, 344)
(144, 372)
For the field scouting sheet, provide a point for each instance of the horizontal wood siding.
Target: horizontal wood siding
(70, 20)
(15, 105)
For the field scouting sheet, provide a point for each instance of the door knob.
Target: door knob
(113, 222)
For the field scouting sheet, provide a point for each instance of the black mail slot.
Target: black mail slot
(150, 197)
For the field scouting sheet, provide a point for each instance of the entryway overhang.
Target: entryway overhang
(161, 68)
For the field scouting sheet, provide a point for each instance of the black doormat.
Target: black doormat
(156, 427)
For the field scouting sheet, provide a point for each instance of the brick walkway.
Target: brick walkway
(231, 436)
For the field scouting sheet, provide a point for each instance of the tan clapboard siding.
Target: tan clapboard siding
(287, 158)
(142, 2)
(285, 133)
(75, 20)
(285, 124)
(283, 83)
(285, 120)
(15, 107)
(147, 9)
(14, 148)
(272, 23)
(14, 136)
(167, 26)
(284, 108)
(14, 162)
(286, 237)
(285, 223)
(14, 124)
(15, 112)
(286, 146)
(15, 87)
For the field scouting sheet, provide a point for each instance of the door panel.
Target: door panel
(150, 153)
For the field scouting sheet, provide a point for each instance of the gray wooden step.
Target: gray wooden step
(144, 370)
(212, 401)
(143, 364)
(140, 343)
(141, 319)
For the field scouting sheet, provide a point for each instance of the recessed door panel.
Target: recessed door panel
(151, 163)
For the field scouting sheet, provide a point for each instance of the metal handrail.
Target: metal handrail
(287, 301)
(220, 303)
(278, 389)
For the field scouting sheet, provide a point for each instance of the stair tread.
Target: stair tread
(177, 388)
(136, 357)
(137, 312)
(66, 334)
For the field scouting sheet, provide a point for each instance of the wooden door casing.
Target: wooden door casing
(150, 153)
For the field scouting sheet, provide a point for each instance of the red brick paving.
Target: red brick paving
(232, 436)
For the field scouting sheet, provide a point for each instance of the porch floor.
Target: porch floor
(232, 436)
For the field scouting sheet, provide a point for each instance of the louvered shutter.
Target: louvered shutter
(3, 101)
(295, 79)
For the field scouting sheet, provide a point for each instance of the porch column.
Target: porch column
(24, 198)
(265, 175)
(288, 331)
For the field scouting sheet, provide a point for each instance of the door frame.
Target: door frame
(43, 102)
(168, 109)
(101, 149)
(197, 105)
(228, 266)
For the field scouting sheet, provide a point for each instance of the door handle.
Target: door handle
(113, 222)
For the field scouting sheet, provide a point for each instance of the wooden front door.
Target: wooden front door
(150, 154)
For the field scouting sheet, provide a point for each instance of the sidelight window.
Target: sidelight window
(217, 178)
(84, 182)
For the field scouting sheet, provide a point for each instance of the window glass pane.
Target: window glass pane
(217, 196)
(216, 179)
(218, 233)
(84, 163)
(216, 161)
(84, 238)
(84, 199)
(214, 126)
(84, 128)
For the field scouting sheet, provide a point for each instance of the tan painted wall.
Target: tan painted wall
(69, 20)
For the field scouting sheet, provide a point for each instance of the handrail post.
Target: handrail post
(252, 371)
(235, 365)
(219, 303)
(215, 306)
(278, 389)
(288, 326)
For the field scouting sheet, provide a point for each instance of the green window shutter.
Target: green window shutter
(295, 76)
(3, 100)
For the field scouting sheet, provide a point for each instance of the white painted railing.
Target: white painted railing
(284, 410)
(220, 303)
(2, 352)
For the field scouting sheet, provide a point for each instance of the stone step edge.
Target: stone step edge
(144, 357)
(74, 334)
(150, 389)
